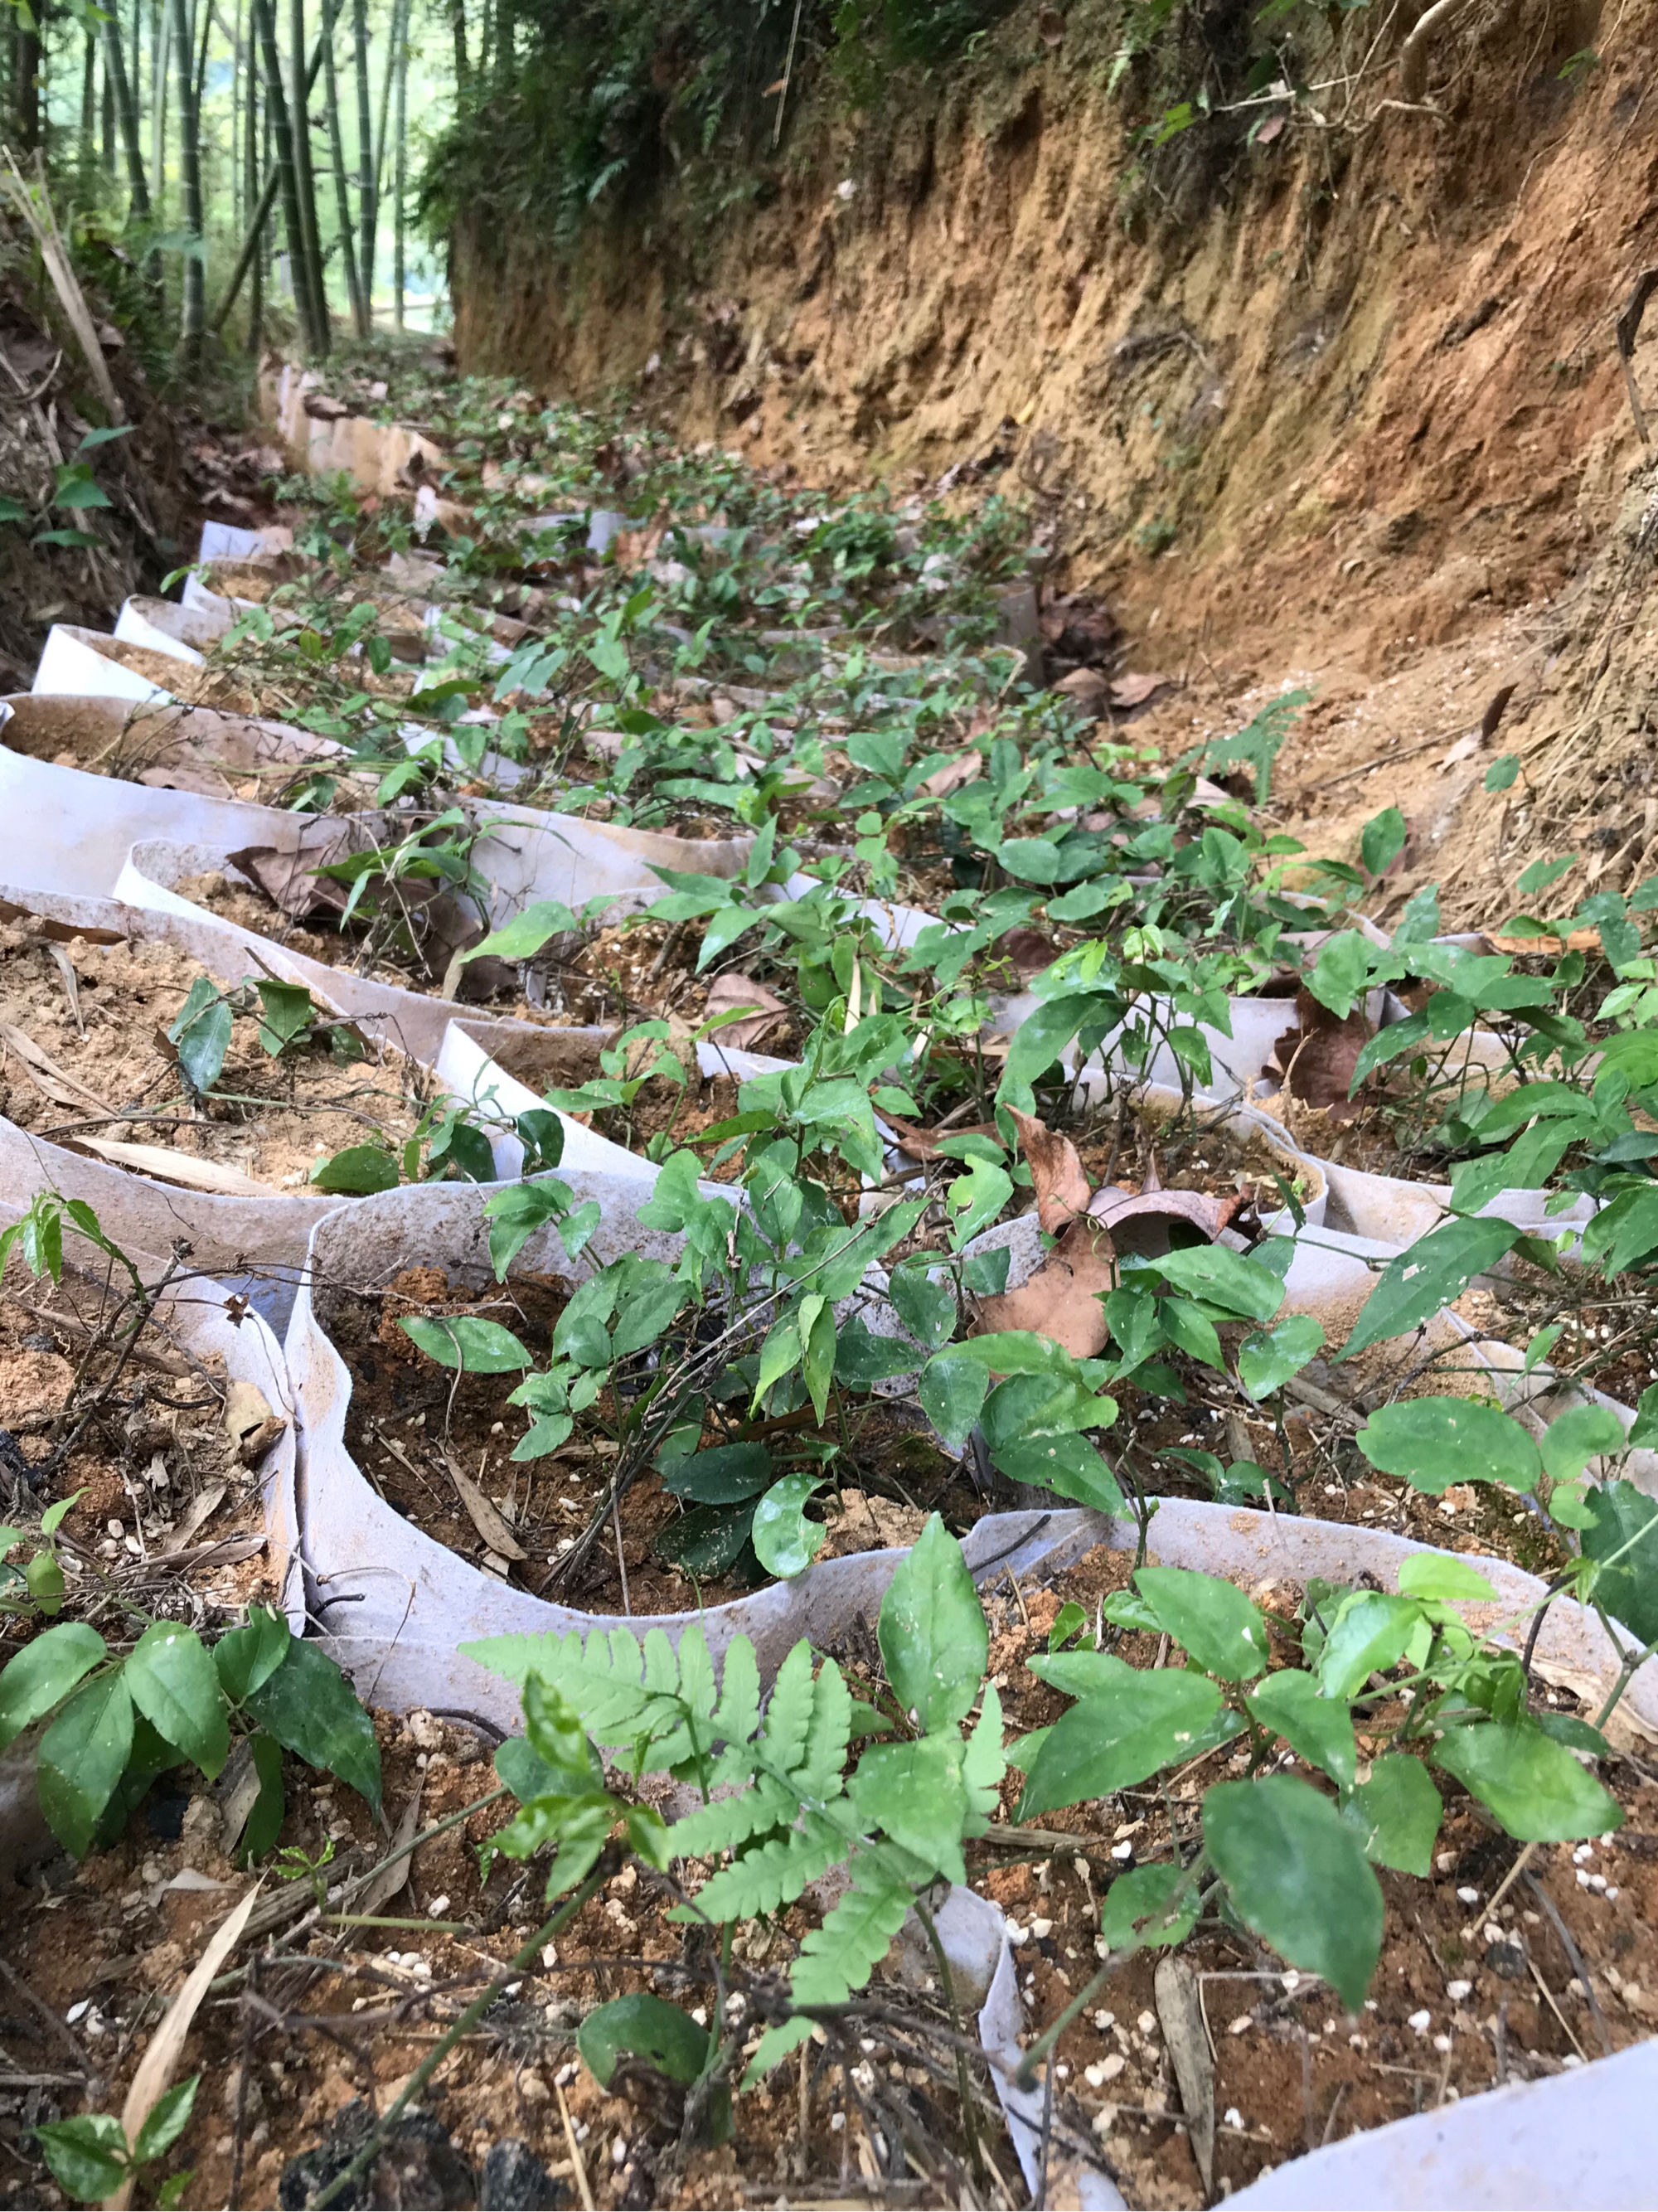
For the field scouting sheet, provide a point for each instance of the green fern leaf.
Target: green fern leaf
(736, 1716)
(728, 1823)
(662, 1668)
(818, 1774)
(603, 1682)
(771, 1875)
(788, 1715)
(775, 2045)
(839, 1957)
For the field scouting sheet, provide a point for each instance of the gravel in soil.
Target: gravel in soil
(1466, 1996)
(1461, 2002)
(277, 1117)
(412, 1426)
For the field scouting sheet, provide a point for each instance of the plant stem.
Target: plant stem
(376, 2141)
(964, 2077)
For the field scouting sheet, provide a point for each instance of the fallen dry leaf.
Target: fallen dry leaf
(1132, 690)
(285, 870)
(1062, 1300)
(1317, 1057)
(1576, 940)
(51, 1081)
(727, 994)
(1028, 950)
(954, 773)
(1179, 2010)
(390, 1880)
(923, 1144)
(174, 1167)
(1140, 1220)
(252, 1421)
(1062, 1188)
(485, 1515)
(161, 2059)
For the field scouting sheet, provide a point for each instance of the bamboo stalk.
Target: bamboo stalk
(400, 188)
(126, 112)
(189, 178)
(304, 179)
(264, 12)
(367, 182)
(342, 192)
(270, 187)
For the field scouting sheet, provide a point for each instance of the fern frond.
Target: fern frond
(736, 1716)
(603, 1682)
(827, 1735)
(839, 1957)
(772, 1876)
(697, 1688)
(662, 1666)
(728, 1823)
(788, 1715)
(774, 2046)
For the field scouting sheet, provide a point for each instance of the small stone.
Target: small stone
(1457, 1990)
(1232, 2117)
(1468, 1895)
(1421, 2021)
(1245, 2019)
(515, 2180)
(1442, 2044)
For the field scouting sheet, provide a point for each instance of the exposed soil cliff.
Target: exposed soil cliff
(1354, 398)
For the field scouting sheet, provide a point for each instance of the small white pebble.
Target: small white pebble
(1583, 1852)
(1244, 2020)
(1457, 1990)
(837, 2121)
(1468, 1896)
(1442, 2044)
(438, 1907)
(1122, 1851)
(1292, 1981)
(699, 2015)
(1495, 1932)
(1612, 1891)
(1232, 2117)
(1597, 1881)
(1040, 1929)
(1445, 1862)
(1104, 2020)
(618, 2150)
(1016, 1935)
(566, 2075)
(1420, 2020)
(1147, 2023)
(1584, 1878)
(78, 2011)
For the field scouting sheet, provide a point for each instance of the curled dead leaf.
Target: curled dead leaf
(963, 769)
(768, 1014)
(923, 1144)
(1061, 1301)
(1316, 1058)
(1134, 689)
(1056, 1172)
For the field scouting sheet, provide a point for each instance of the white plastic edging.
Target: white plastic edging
(183, 633)
(222, 541)
(78, 661)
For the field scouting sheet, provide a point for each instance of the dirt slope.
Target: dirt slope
(1352, 413)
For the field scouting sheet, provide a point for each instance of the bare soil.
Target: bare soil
(280, 1117)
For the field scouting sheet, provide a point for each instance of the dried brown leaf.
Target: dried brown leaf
(1062, 1187)
(963, 769)
(1181, 2013)
(1133, 691)
(1029, 950)
(1317, 1058)
(728, 992)
(923, 1144)
(51, 1081)
(174, 1167)
(1139, 1221)
(485, 1515)
(1061, 1301)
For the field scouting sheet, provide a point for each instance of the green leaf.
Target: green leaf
(862, 1358)
(1534, 1786)
(1500, 776)
(916, 1793)
(88, 2157)
(1367, 1634)
(523, 937)
(169, 2116)
(784, 1541)
(1297, 1874)
(463, 1341)
(933, 1636)
(357, 1172)
(927, 1309)
(953, 1393)
(1580, 1434)
(13, 510)
(83, 1755)
(1226, 1279)
(1341, 972)
(201, 1031)
(1625, 1231)
(1067, 1464)
(286, 1014)
(1436, 1576)
(1542, 873)
(722, 1474)
(1381, 839)
(1067, 1621)
(514, 1215)
(1209, 1617)
(723, 929)
(706, 1541)
(1267, 1361)
(1433, 1271)
(1614, 1512)
(64, 538)
(816, 1322)
(1040, 1039)
(1435, 1442)
(1116, 1736)
(650, 2028)
(1135, 1909)
(1396, 1814)
(43, 1673)
(264, 1822)
(311, 1709)
(1319, 1729)
(175, 1686)
(554, 1737)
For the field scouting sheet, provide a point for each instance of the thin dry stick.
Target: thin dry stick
(576, 2159)
(620, 1563)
